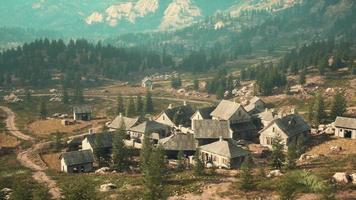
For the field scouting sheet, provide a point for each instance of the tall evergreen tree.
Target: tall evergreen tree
(148, 102)
(130, 108)
(338, 105)
(119, 151)
(120, 105)
(98, 149)
(247, 179)
(302, 77)
(181, 160)
(43, 109)
(65, 96)
(199, 164)
(277, 156)
(154, 175)
(319, 114)
(292, 156)
(145, 152)
(139, 105)
(79, 189)
(196, 84)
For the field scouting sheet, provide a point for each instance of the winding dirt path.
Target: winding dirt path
(30, 158)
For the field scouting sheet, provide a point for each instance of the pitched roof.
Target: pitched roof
(146, 79)
(106, 139)
(226, 148)
(78, 157)
(181, 113)
(242, 127)
(291, 125)
(211, 129)
(82, 109)
(254, 99)
(149, 127)
(266, 115)
(128, 122)
(178, 142)
(225, 109)
(205, 112)
(252, 104)
(345, 122)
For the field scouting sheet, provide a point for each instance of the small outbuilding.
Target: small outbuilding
(154, 130)
(208, 131)
(223, 154)
(256, 105)
(77, 161)
(184, 142)
(82, 113)
(345, 127)
(147, 83)
(106, 139)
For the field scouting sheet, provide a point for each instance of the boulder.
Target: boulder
(342, 178)
(274, 173)
(103, 170)
(107, 187)
(209, 165)
(305, 157)
(353, 177)
(6, 190)
(335, 149)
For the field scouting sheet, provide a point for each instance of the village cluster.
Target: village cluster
(222, 133)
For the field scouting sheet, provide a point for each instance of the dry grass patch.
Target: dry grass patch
(44, 128)
(8, 140)
(348, 146)
(52, 160)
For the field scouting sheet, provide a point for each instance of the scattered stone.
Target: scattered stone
(306, 157)
(103, 170)
(209, 165)
(274, 173)
(335, 149)
(107, 187)
(342, 178)
(353, 177)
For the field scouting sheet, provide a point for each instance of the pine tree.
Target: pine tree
(119, 150)
(28, 95)
(181, 160)
(145, 152)
(292, 156)
(277, 156)
(319, 113)
(98, 149)
(130, 109)
(199, 165)
(338, 106)
(43, 109)
(65, 96)
(57, 141)
(196, 84)
(139, 105)
(247, 179)
(302, 77)
(220, 91)
(79, 189)
(120, 105)
(148, 103)
(154, 175)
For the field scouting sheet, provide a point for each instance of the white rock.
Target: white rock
(103, 170)
(353, 177)
(209, 165)
(274, 173)
(342, 177)
(107, 187)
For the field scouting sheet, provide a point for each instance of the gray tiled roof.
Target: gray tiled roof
(210, 129)
(128, 122)
(179, 142)
(226, 148)
(82, 109)
(345, 122)
(106, 139)
(225, 110)
(149, 127)
(78, 157)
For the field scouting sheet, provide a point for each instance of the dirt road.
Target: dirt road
(30, 158)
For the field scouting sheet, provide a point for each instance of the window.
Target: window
(273, 130)
(269, 140)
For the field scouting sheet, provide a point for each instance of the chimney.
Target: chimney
(220, 138)
(170, 106)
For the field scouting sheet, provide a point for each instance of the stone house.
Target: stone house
(77, 161)
(291, 128)
(201, 114)
(82, 113)
(224, 153)
(256, 105)
(230, 111)
(208, 131)
(106, 140)
(147, 83)
(176, 116)
(178, 142)
(125, 121)
(153, 129)
(345, 127)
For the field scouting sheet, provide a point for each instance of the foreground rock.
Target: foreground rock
(103, 170)
(274, 173)
(342, 178)
(107, 187)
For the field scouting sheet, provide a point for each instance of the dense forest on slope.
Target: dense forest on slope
(37, 63)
